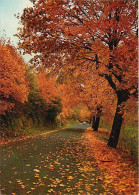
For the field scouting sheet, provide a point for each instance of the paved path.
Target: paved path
(54, 163)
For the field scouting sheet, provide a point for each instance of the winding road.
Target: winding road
(51, 163)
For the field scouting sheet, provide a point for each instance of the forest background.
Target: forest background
(83, 68)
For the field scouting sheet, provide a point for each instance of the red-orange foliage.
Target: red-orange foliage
(47, 87)
(96, 36)
(13, 85)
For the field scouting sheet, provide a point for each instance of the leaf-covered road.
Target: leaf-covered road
(54, 163)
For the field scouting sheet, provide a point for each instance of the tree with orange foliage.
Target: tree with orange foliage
(47, 87)
(100, 36)
(13, 85)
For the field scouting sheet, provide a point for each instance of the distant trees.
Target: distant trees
(94, 94)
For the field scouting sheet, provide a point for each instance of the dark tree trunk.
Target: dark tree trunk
(96, 123)
(90, 120)
(97, 118)
(118, 118)
(116, 127)
(93, 122)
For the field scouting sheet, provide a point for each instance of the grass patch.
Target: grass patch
(35, 130)
(39, 129)
(128, 140)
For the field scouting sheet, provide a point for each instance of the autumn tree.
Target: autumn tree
(97, 95)
(43, 100)
(13, 85)
(47, 87)
(14, 89)
(48, 90)
(100, 36)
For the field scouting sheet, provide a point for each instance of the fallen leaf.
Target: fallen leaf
(28, 165)
(36, 170)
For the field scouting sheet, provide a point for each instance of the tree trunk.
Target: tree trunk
(99, 110)
(116, 127)
(96, 123)
(90, 120)
(93, 122)
(122, 96)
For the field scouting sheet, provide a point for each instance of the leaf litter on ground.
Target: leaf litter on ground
(117, 172)
(64, 164)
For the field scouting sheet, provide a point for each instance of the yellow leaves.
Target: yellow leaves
(32, 188)
(86, 168)
(23, 186)
(28, 165)
(19, 181)
(51, 190)
(37, 175)
(81, 191)
(36, 170)
(28, 192)
(70, 177)
(57, 163)
(68, 189)
(61, 185)
(88, 187)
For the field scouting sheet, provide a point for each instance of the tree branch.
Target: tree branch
(110, 81)
(86, 47)
(74, 16)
